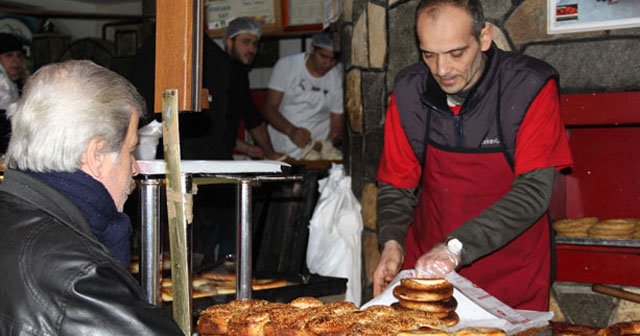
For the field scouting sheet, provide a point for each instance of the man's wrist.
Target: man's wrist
(392, 244)
(291, 132)
(454, 245)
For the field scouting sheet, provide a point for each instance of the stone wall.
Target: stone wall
(378, 40)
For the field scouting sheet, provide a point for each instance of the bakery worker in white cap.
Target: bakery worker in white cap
(304, 99)
(241, 39)
(241, 44)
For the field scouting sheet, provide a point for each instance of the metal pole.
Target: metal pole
(243, 241)
(150, 245)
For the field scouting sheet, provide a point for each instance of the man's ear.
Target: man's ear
(228, 44)
(93, 158)
(486, 36)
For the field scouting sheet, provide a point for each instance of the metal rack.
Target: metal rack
(246, 174)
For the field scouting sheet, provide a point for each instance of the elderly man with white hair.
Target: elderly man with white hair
(64, 241)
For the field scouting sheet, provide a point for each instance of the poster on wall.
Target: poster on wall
(304, 12)
(571, 16)
(220, 12)
(311, 15)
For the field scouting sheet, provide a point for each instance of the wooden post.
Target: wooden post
(179, 205)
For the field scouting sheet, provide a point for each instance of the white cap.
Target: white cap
(323, 40)
(242, 24)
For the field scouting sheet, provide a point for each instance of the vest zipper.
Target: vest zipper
(457, 124)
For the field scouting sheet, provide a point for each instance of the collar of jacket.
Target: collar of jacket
(48, 200)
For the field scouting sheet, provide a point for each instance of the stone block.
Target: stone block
(346, 34)
(373, 142)
(347, 10)
(499, 38)
(370, 253)
(368, 202)
(627, 310)
(376, 20)
(403, 49)
(624, 32)
(353, 97)
(554, 307)
(495, 10)
(581, 305)
(359, 7)
(374, 100)
(528, 22)
(356, 163)
(359, 38)
(609, 65)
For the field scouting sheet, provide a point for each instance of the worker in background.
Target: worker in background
(304, 103)
(13, 72)
(241, 40)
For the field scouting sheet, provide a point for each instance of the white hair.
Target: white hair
(63, 107)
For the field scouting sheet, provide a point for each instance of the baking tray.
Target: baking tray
(315, 286)
(598, 242)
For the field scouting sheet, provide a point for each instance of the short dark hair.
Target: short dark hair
(472, 7)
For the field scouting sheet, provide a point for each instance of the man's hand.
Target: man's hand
(276, 156)
(255, 152)
(300, 137)
(437, 263)
(388, 267)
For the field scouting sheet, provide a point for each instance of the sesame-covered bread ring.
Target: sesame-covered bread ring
(432, 292)
(621, 328)
(480, 331)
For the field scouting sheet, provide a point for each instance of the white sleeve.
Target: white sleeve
(7, 95)
(278, 79)
(337, 105)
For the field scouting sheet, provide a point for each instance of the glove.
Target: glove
(437, 263)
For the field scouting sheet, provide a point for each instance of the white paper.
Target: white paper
(158, 167)
(476, 308)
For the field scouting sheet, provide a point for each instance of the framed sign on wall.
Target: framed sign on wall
(220, 12)
(302, 14)
(571, 16)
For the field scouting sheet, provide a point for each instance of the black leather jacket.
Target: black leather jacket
(57, 279)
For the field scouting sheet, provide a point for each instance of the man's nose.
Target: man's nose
(442, 65)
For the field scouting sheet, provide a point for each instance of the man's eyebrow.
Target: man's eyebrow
(446, 52)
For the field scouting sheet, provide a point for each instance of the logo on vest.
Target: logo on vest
(490, 142)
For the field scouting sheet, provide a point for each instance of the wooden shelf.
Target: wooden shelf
(39, 12)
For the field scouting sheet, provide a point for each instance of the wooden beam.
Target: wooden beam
(41, 12)
(179, 31)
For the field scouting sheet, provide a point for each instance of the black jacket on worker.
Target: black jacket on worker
(57, 279)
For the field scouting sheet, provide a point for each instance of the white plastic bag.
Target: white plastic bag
(148, 139)
(335, 231)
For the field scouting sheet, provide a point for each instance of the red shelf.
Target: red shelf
(614, 109)
(604, 135)
(598, 264)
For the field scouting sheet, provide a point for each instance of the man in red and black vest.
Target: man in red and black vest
(473, 138)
